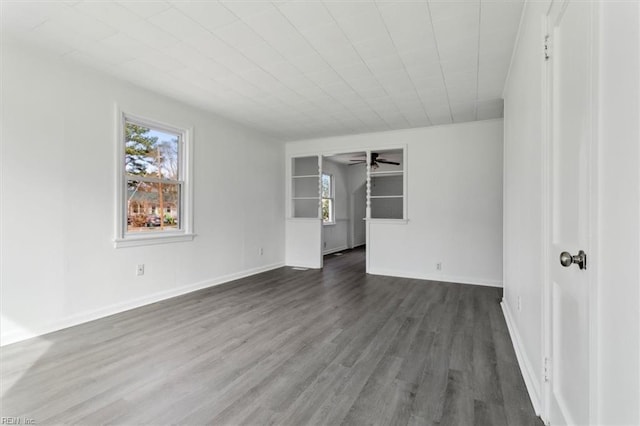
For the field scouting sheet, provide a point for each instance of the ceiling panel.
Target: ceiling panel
(210, 15)
(294, 69)
(306, 15)
(144, 10)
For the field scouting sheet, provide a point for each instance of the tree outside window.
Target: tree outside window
(327, 199)
(152, 174)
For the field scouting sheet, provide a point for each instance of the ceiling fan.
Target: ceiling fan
(375, 160)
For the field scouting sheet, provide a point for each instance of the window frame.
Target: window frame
(331, 198)
(185, 178)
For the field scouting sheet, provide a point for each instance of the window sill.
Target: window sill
(148, 240)
(389, 221)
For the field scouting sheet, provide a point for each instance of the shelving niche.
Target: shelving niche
(305, 187)
(387, 186)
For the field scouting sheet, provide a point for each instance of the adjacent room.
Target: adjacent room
(419, 212)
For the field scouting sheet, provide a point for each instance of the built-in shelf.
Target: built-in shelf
(305, 187)
(387, 187)
(305, 166)
(387, 173)
(387, 207)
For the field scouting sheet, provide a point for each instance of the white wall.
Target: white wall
(58, 263)
(618, 263)
(454, 204)
(336, 236)
(523, 183)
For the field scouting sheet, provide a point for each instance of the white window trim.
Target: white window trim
(332, 191)
(186, 165)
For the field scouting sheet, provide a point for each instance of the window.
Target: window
(154, 201)
(327, 199)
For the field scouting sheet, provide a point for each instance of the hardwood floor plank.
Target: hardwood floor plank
(458, 404)
(315, 395)
(401, 401)
(488, 414)
(286, 347)
(371, 401)
(432, 387)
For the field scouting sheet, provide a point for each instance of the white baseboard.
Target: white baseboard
(76, 319)
(528, 372)
(335, 250)
(437, 277)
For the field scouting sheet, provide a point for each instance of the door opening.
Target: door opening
(344, 202)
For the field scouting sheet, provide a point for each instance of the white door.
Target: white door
(570, 77)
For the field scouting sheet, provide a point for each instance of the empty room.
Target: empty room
(412, 212)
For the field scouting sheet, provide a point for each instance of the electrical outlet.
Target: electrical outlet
(519, 303)
(325, 244)
(140, 269)
(439, 266)
(260, 251)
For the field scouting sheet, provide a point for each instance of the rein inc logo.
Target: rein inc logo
(17, 421)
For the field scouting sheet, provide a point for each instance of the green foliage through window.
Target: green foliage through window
(152, 177)
(327, 198)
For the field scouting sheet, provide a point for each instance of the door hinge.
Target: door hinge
(547, 369)
(547, 47)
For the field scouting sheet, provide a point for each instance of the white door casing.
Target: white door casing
(570, 76)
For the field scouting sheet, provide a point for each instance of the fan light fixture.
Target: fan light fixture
(375, 160)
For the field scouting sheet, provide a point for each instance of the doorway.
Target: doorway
(344, 199)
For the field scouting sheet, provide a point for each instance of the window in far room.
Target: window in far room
(327, 199)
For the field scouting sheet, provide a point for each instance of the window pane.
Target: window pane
(326, 186)
(327, 210)
(152, 206)
(150, 152)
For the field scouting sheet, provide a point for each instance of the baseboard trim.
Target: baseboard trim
(83, 317)
(335, 250)
(528, 373)
(437, 277)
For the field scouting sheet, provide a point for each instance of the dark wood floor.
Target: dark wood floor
(283, 347)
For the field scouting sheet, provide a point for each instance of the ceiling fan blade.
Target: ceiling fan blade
(379, 160)
(356, 163)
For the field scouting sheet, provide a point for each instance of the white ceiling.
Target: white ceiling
(295, 69)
